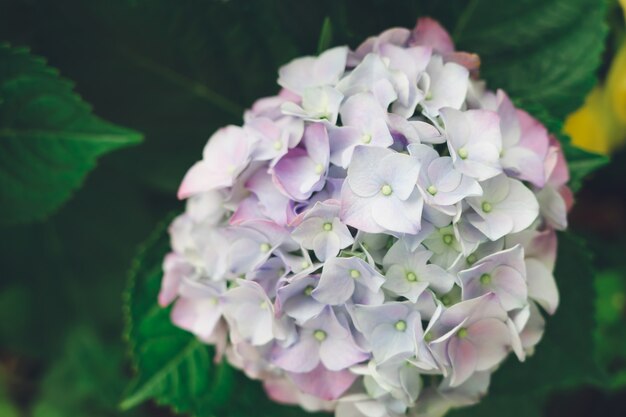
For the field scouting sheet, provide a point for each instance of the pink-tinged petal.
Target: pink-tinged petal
(524, 164)
(283, 391)
(362, 175)
(248, 210)
(326, 245)
(541, 285)
(463, 359)
(398, 216)
(199, 316)
(274, 204)
(203, 177)
(428, 133)
(492, 341)
(559, 175)
(335, 286)
(303, 356)
(296, 174)
(340, 353)
(175, 267)
(553, 207)
(293, 300)
(324, 384)
(448, 87)
(476, 134)
(429, 32)
(316, 143)
(357, 211)
(466, 59)
(521, 205)
(305, 72)
(534, 329)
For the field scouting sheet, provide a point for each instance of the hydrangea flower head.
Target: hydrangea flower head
(376, 238)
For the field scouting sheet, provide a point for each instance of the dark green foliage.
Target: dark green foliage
(49, 139)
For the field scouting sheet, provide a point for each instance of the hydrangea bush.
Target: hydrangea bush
(378, 237)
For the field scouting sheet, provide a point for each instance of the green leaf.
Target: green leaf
(610, 333)
(564, 358)
(173, 367)
(49, 139)
(546, 51)
(7, 407)
(326, 36)
(85, 381)
(582, 163)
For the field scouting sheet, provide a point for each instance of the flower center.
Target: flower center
(400, 325)
(411, 277)
(305, 264)
(308, 290)
(462, 333)
(462, 153)
(366, 138)
(319, 168)
(354, 273)
(428, 337)
(327, 227)
(265, 247)
(448, 239)
(386, 190)
(278, 145)
(264, 305)
(432, 190)
(487, 207)
(485, 279)
(319, 335)
(472, 258)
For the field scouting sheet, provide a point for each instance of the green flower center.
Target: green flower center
(400, 325)
(328, 227)
(448, 239)
(462, 153)
(319, 335)
(462, 333)
(354, 273)
(411, 277)
(472, 258)
(487, 207)
(366, 138)
(265, 247)
(485, 279)
(386, 190)
(319, 168)
(278, 145)
(432, 190)
(308, 290)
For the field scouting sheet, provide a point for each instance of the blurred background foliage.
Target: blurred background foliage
(177, 70)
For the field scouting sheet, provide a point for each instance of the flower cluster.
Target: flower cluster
(378, 237)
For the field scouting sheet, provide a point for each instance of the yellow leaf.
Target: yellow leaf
(588, 126)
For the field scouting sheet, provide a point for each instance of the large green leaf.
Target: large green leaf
(565, 357)
(84, 381)
(546, 51)
(173, 367)
(49, 139)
